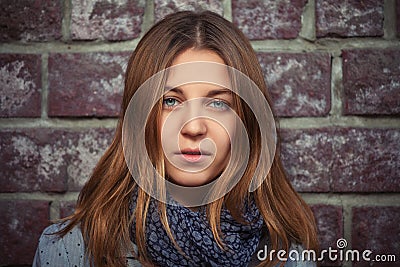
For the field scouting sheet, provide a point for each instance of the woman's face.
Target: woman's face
(197, 124)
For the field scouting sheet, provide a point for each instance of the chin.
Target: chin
(190, 179)
(191, 183)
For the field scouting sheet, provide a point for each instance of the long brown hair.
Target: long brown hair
(103, 205)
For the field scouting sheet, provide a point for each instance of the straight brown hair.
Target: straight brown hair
(102, 210)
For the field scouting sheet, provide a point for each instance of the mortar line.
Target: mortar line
(389, 21)
(58, 123)
(336, 87)
(54, 210)
(71, 47)
(45, 85)
(68, 196)
(66, 21)
(148, 17)
(308, 30)
(298, 45)
(332, 45)
(343, 121)
(353, 199)
(227, 7)
(347, 230)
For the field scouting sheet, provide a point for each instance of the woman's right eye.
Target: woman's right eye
(170, 102)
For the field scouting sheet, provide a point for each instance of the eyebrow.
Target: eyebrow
(210, 93)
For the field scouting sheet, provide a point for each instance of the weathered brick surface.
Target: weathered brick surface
(299, 83)
(268, 19)
(307, 157)
(349, 18)
(328, 159)
(20, 227)
(329, 221)
(49, 159)
(342, 159)
(376, 229)
(20, 85)
(30, 20)
(67, 208)
(106, 19)
(163, 8)
(371, 81)
(86, 84)
(366, 160)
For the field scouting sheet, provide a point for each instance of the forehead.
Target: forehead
(198, 67)
(192, 54)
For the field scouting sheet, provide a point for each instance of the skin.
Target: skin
(196, 117)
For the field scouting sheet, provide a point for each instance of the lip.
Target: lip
(193, 155)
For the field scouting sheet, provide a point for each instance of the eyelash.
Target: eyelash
(165, 104)
(223, 108)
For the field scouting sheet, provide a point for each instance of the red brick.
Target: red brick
(86, 84)
(307, 157)
(51, 160)
(366, 160)
(163, 8)
(20, 228)
(67, 208)
(342, 159)
(299, 83)
(376, 229)
(268, 19)
(371, 81)
(106, 19)
(329, 221)
(20, 85)
(349, 18)
(38, 20)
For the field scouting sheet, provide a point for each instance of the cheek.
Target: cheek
(222, 131)
(166, 129)
(223, 140)
(226, 133)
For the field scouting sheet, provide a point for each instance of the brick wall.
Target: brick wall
(333, 69)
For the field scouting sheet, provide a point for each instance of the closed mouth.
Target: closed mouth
(189, 151)
(193, 155)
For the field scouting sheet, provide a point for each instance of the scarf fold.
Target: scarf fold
(193, 234)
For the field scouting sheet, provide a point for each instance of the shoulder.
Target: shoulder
(54, 250)
(68, 250)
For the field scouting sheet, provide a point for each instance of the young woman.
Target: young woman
(125, 216)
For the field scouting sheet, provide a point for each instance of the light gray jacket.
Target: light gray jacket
(70, 251)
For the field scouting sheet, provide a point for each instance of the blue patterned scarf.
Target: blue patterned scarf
(193, 235)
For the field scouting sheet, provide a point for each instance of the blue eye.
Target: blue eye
(170, 102)
(218, 104)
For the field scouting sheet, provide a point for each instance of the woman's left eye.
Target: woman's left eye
(218, 104)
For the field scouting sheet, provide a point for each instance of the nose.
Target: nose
(195, 124)
(194, 128)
